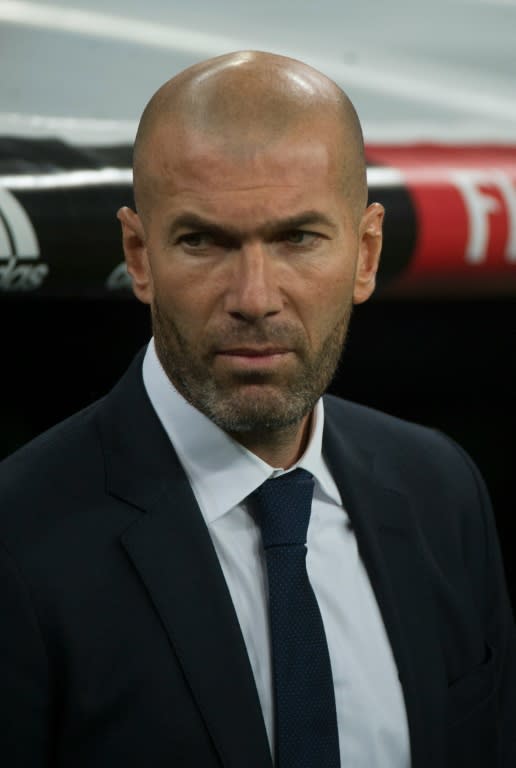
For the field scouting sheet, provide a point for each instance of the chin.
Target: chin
(254, 410)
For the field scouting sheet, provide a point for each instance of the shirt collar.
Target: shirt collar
(222, 472)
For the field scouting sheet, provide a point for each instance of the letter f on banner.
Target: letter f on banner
(481, 205)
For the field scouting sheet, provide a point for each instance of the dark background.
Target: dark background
(447, 364)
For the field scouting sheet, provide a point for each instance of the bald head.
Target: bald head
(244, 102)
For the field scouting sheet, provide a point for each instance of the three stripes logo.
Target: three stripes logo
(20, 269)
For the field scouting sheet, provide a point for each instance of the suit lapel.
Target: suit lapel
(172, 551)
(391, 551)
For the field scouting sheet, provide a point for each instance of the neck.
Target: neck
(279, 448)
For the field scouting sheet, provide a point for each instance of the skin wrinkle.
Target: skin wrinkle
(226, 264)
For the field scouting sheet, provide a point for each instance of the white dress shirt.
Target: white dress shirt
(373, 731)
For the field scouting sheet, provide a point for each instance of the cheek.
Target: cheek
(184, 298)
(327, 302)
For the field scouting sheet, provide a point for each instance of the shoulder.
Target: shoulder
(404, 454)
(366, 426)
(42, 481)
(58, 483)
(66, 455)
(56, 449)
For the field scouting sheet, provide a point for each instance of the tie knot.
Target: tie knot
(283, 506)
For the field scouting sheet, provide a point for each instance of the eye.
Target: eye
(195, 239)
(300, 237)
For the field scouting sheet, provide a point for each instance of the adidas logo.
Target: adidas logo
(19, 248)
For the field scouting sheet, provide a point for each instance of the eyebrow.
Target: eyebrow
(191, 221)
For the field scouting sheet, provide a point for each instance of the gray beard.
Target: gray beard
(276, 406)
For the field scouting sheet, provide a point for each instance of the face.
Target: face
(251, 262)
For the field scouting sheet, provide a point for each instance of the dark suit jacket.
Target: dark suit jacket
(119, 643)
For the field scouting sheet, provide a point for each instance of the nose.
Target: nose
(253, 292)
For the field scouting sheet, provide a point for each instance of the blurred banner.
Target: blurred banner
(450, 228)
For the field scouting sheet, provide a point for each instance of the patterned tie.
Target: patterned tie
(306, 733)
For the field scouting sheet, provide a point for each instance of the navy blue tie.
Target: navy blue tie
(306, 734)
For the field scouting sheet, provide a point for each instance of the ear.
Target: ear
(370, 246)
(135, 252)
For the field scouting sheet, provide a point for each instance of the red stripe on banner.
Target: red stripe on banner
(465, 204)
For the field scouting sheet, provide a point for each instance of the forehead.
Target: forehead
(247, 176)
(182, 161)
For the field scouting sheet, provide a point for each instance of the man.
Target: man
(143, 621)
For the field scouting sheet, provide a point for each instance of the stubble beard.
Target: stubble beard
(275, 403)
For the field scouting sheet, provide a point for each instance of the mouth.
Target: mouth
(253, 351)
(253, 358)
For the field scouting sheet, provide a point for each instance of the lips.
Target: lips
(254, 351)
(253, 359)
